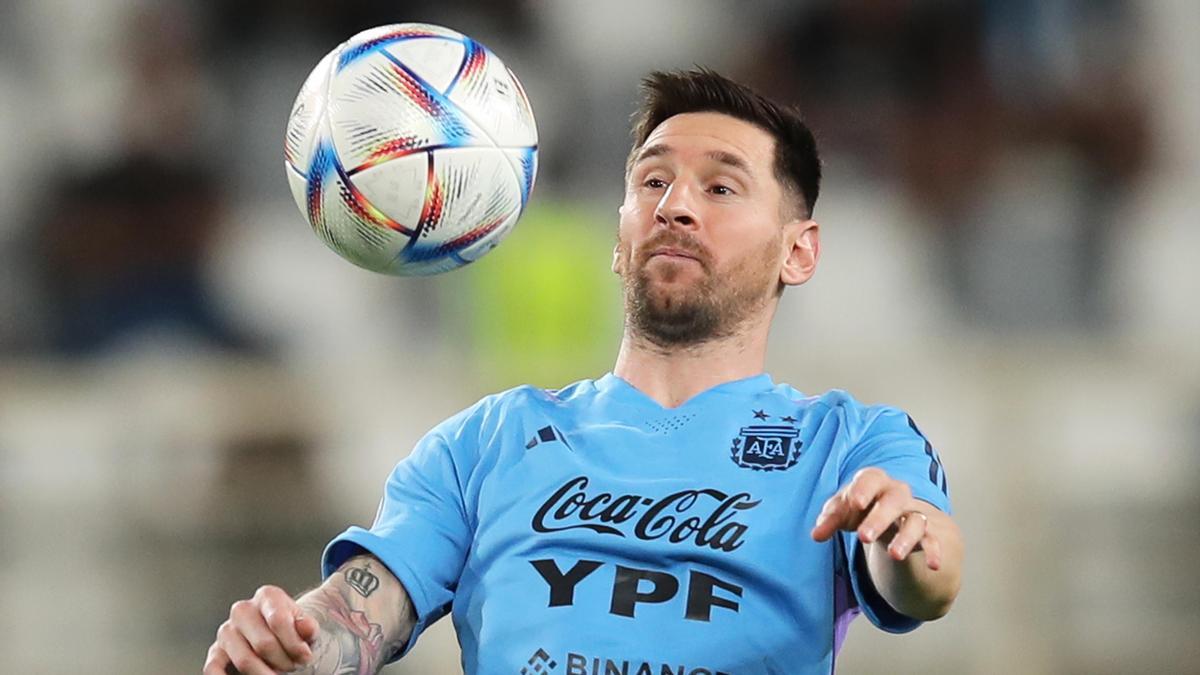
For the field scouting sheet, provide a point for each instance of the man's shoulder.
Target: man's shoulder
(836, 402)
(525, 397)
(532, 395)
(832, 399)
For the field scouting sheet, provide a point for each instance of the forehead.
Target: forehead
(703, 132)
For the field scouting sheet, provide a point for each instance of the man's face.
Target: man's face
(702, 239)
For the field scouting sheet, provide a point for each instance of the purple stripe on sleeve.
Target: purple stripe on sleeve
(845, 608)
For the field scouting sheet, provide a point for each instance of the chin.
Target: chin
(668, 296)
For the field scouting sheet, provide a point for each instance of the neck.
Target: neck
(672, 375)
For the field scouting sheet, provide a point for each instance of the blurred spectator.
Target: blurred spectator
(986, 158)
(965, 106)
(123, 249)
(239, 20)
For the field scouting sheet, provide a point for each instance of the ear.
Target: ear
(617, 263)
(803, 239)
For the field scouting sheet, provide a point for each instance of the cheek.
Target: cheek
(621, 251)
(758, 249)
(632, 212)
(630, 225)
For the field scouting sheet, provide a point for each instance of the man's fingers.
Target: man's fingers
(933, 551)
(280, 611)
(268, 648)
(282, 623)
(845, 510)
(865, 488)
(908, 536)
(216, 662)
(889, 506)
(832, 518)
(247, 618)
(307, 627)
(914, 535)
(240, 652)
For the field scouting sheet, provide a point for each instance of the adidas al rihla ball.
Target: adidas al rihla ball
(411, 149)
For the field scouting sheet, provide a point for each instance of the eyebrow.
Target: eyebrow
(721, 156)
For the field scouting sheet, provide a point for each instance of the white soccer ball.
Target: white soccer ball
(411, 149)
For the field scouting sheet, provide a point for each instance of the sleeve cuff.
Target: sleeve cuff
(872, 604)
(356, 541)
(877, 609)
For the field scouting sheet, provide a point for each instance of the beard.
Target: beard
(712, 308)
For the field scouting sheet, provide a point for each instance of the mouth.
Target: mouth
(673, 253)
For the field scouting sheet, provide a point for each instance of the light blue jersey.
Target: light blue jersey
(590, 531)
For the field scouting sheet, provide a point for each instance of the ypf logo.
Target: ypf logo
(767, 447)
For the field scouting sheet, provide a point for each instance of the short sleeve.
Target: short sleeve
(421, 530)
(890, 441)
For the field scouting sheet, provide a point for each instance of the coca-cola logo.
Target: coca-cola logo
(704, 516)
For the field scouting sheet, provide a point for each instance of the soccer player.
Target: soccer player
(682, 514)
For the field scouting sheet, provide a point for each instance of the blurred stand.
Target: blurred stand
(195, 395)
(123, 250)
(1012, 129)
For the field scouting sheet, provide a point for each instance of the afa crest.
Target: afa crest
(767, 447)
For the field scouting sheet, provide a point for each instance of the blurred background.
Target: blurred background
(195, 394)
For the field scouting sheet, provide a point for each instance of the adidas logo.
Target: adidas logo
(547, 434)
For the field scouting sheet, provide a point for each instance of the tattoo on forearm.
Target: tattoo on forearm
(353, 644)
(350, 642)
(361, 580)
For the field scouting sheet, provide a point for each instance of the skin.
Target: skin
(351, 624)
(741, 235)
(735, 224)
(706, 230)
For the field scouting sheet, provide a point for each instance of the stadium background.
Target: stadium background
(195, 394)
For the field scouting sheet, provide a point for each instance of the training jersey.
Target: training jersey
(592, 531)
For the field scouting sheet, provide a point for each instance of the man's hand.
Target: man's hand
(892, 525)
(352, 623)
(881, 508)
(264, 635)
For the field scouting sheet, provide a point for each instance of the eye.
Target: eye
(722, 190)
(655, 183)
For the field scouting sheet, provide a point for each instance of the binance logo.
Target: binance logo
(540, 662)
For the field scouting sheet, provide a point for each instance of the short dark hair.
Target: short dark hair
(666, 94)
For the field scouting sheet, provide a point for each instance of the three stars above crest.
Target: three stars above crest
(762, 415)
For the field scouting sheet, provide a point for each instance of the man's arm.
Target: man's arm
(914, 551)
(353, 623)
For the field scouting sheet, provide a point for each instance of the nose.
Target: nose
(674, 208)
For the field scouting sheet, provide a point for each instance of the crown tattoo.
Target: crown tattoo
(361, 580)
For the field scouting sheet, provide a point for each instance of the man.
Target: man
(682, 514)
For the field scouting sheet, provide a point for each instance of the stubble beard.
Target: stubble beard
(716, 307)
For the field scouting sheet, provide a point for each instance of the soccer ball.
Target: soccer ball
(411, 149)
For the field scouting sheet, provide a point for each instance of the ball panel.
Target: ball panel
(396, 188)
(298, 184)
(470, 71)
(435, 60)
(470, 197)
(346, 220)
(381, 37)
(380, 109)
(524, 165)
(478, 248)
(307, 111)
(479, 188)
(491, 96)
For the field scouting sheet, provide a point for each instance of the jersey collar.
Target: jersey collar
(625, 392)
